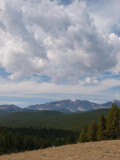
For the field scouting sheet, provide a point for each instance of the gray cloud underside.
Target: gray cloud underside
(63, 42)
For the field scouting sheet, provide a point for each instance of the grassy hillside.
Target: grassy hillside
(104, 150)
(50, 119)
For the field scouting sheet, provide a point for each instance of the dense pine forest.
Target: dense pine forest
(22, 139)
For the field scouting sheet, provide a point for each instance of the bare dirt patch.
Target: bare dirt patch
(104, 150)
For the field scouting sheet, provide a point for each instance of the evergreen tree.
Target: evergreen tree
(101, 128)
(118, 126)
(112, 122)
(83, 134)
(92, 131)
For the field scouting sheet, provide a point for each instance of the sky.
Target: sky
(59, 49)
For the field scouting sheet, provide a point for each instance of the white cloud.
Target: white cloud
(90, 80)
(45, 38)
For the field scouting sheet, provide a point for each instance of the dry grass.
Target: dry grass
(105, 150)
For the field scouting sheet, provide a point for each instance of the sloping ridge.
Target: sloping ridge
(106, 150)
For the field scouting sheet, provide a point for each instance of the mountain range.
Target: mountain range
(65, 106)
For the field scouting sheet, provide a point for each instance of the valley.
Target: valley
(50, 119)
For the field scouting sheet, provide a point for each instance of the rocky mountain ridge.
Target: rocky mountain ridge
(65, 106)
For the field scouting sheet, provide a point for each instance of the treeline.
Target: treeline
(22, 139)
(107, 128)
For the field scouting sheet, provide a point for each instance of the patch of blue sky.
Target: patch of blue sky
(3, 73)
(10, 99)
(37, 78)
(108, 75)
(116, 29)
(43, 78)
(115, 89)
(64, 2)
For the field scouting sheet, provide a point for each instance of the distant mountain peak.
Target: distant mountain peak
(68, 105)
(10, 107)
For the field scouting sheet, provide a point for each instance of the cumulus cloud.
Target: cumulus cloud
(45, 37)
